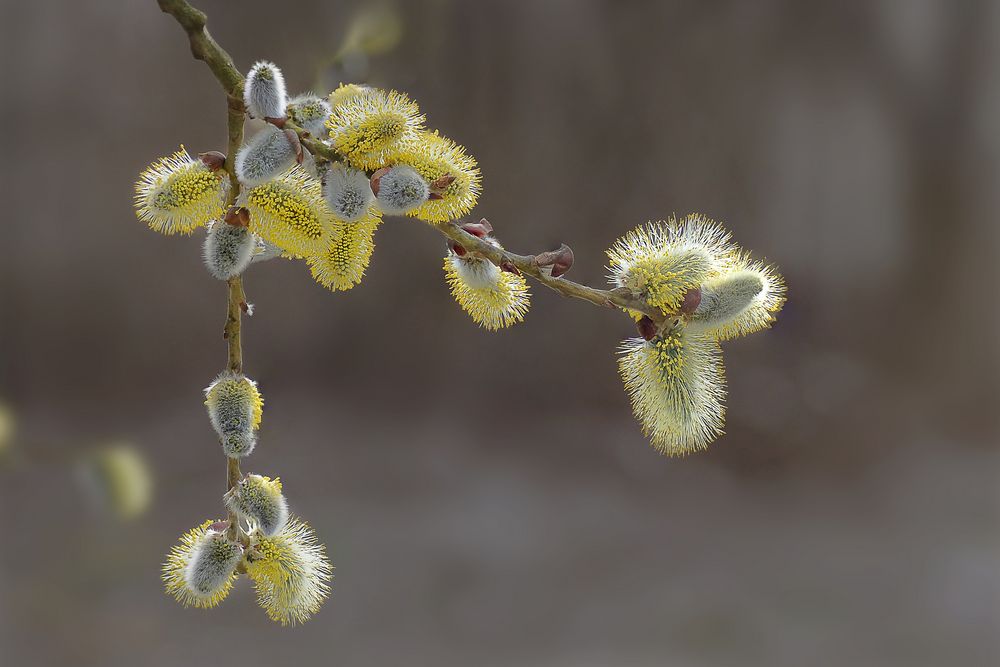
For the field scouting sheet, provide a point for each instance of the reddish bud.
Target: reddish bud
(377, 178)
(433, 196)
(458, 250)
(646, 327)
(691, 301)
(237, 216)
(277, 122)
(439, 185)
(508, 266)
(555, 262)
(214, 160)
(478, 229)
(219, 526)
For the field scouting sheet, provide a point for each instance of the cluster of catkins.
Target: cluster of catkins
(706, 290)
(279, 552)
(702, 286)
(294, 206)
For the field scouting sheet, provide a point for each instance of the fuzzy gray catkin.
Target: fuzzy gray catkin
(310, 111)
(258, 499)
(266, 155)
(211, 564)
(228, 250)
(264, 91)
(348, 192)
(234, 407)
(401, 189)
(724, 299)
(238, 444)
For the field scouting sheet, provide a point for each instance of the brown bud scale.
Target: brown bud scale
(647, 327)
(691, 301)
(478, 229)
(377, 178)
(556, 262)
(438, 185)
(214, 160)
(237, 216)
(509, 267)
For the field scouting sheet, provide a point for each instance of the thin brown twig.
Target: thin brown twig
(205, 48)
(527, 264)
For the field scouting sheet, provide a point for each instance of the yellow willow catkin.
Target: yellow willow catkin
(662, 261)
(434, 157)
(494, 299)
(344, 92)
(176, 194)
(342, 264)
(371, 125)
(677, 384)
(290, 213)
(291, 573)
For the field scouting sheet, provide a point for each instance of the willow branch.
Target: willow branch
(319, 150)
(237, 302)
(206, 49)
(526, 264)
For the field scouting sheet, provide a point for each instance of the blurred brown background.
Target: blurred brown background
(488, 499)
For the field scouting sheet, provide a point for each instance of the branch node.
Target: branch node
(508, 266)
(555, 263)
